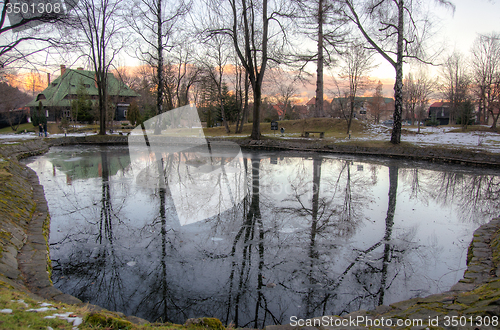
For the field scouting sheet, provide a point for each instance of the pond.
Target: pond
(307, 234)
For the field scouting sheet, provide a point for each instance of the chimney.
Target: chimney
(48, 79)
(63, 69)
(81, 69)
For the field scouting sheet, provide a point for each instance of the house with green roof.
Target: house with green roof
(56, 99)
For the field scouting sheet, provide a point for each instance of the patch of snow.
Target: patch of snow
(6, 311)
(69, 316)
(42, 309)
(44, 304)
(21, 301)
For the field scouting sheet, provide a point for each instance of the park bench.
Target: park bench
(321, 134)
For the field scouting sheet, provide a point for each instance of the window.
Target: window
(125, 113)
(87, 86)
(54, 84)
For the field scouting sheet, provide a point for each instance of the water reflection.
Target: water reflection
(314, 235)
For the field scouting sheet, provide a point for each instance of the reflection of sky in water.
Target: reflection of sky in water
(112, 245)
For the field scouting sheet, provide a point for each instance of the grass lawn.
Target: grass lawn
(8, 130)
(334, 128)
(15, 314)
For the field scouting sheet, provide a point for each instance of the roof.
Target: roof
(279, 108)
(439, 104)
(313, 102)
(387, 100)
(68, 84)
(302, 109)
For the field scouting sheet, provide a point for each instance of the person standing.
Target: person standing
(45, 128)
(40, 129)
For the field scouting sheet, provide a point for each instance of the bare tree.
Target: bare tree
(376, 103)
(416, 91)
(215, 60)
(456, 83)
(282, 86)
(358, 63)
(486, 72)
(24, 34)
(100, 25)
(258, 35)
(154, 21)
(391, 27)
(324, 24)
(182, 73)
(242, 86)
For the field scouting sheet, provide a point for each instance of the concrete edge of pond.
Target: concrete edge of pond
(462, 156)
(25, 263)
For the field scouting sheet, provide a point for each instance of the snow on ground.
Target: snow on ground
(439, 136)
(430, 136)
(31, 135)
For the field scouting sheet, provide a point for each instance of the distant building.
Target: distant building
(280, 110)
(299, 112)
(311, 107)
(442, 112)
(57, 97)
(365, 108)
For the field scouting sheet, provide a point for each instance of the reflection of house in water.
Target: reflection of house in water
(89, 165)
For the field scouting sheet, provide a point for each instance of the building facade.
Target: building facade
(57, 98)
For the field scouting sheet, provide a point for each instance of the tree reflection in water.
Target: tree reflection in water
(314, 236)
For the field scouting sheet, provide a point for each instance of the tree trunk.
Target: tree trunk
(102, 104)
(495, 119)
(389, 224)
(351, 111)
(257, 93)
(398, 86)
(159, 69)
(223, 112)
(318, 107)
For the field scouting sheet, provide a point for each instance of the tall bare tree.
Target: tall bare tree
(154, 21)
(100, 24)
(214, 61)
(282, 85)
(358, 62)
(376, 103)
(322, 21)
(417, 89)
(486, 74)
(456, 83)
(258, 34)
(392, 28)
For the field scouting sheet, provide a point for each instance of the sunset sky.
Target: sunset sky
(454, 31)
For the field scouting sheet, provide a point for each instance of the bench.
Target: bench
(321, 134)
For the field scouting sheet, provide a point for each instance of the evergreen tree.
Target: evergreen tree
(81, 108)
(133, 114)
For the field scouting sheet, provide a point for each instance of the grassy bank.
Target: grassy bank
(19, 311)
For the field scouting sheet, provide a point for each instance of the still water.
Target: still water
(314, 234)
